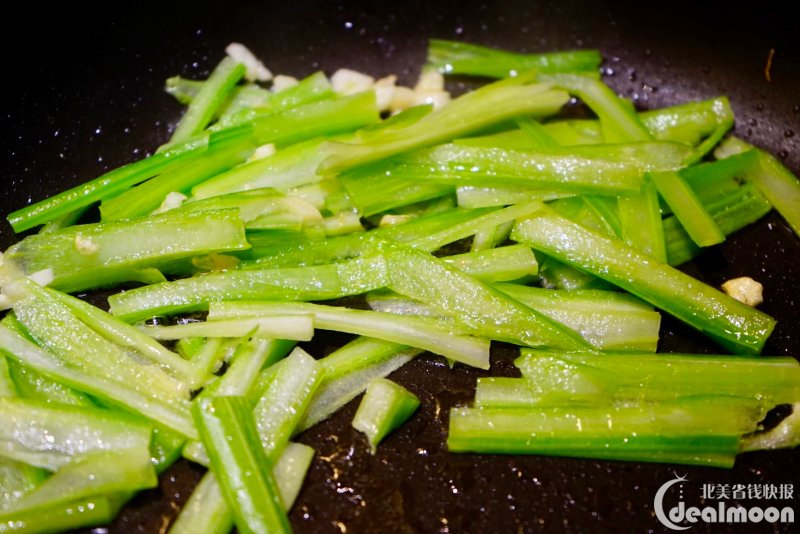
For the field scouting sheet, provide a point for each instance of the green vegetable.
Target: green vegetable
(385, 406)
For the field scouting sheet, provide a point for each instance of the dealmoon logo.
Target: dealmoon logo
(720, 513)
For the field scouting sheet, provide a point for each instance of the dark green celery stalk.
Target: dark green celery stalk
(488, 312)
(107, 185)
(488, 105)
(347, 371)
(384, 407)
(68, 219)
(737, 326)
(93, 255)
(537, 133)
(229, 433)
(51, 366)
(294, 283)
(702, 432)
(688, 208)
(208, 99)
(146, 198)
(422, 332)
(452, 57)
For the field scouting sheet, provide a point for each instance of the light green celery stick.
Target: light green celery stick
(105, 186)
(485, 310)
(603, 318)
(656, 377)
(384, 407)
(93, 255)
(148, 197)
(609, 169)
(126, 336)
(206, 511)
(297, 327)
(7, 386)
(285, 400)
(208, 99)
(297, 283)
(96, 473)
(496, 264)
(737, 326)
(68, 219)
(244, 107)
(690, 122)
(83, 513)
(229, 434)
(775, 181)
(491, 238)
(703, 432)
(424, 333)
(474, 197)
(54, 368)
(18, 479)
(51, 436)
(488, 105)
(33, 385)
(452, 57)
(289, 167)
(322, 118)
(554, 274)
(261, 208)
(347, 372)
(688, 208)
(58, 330)
(619, 122)
(375, 192)
(640, 221)
(536, 132)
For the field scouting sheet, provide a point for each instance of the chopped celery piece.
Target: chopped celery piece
(93, 255)
(298, 283)
(290, 471)
(348, 371)
(737, 326)
(149, 196)
(686, 206)
(485, 106)
(228, 430)
(640, 221)
(298, 327)
(451, 57)
(384, 407)
(284, 402)
(52, 436)
(488, 312)
(208, 99)
(95, 510)
(105, 186)
(51, 366)
(701, 432)
(496, 264)
(206, 511)
(421, 332)
(644, 376)
(609, 169)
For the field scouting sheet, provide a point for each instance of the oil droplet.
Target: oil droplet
(788, 134)
(783, 154)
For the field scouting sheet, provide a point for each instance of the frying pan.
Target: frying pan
(84, 94)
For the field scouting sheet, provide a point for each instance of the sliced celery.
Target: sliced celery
(229, 434)
(737, 326)
(384, 407)
(92, 255)
(452, 57)
(298, 283)
(421, 332)
(297, 327)
(208, 99)
(687, 207)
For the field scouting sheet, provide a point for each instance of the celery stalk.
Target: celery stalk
(384, 407)
(733, 324)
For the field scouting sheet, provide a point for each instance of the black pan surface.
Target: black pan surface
(83, 94)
